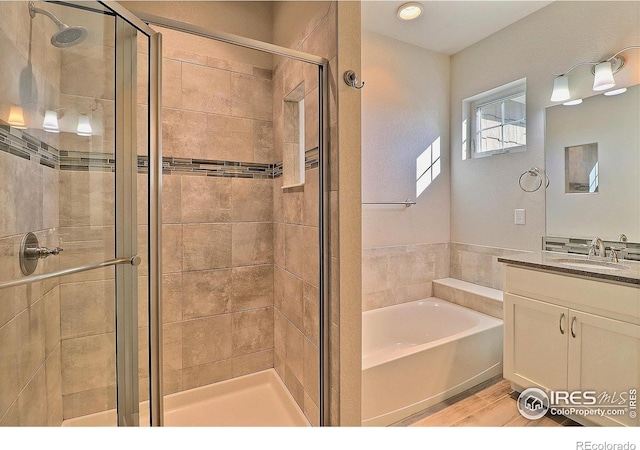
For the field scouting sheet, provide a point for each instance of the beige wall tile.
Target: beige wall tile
(310, 255)
(251, 200)
(54, 388)
(31, 341)
(311, 120)
(252, 243)
(182, 134)
(312, 411)
(172, 248)
(206, 293)
(88, 70)
(207, 246)
(173, 381)
(204, 374)
(292, 299)
(251, 97)
(295, 351)
(206, 340)
(253, 362)
(172, 296)
(88, 363)
(311, 211)
(293, 247)
(52, 320)
(89, 402)
(311, 318)
(229, 138)
(252, 331)
(197, 97)
(278, 286)
(32, 402)
(293, 205)
(9, 365)
(278, 364)
(171, 199)
(263, 142)
(278, 243)
(311, 377)
(205, 199)
(278, 208)
(294, 386)
(252, 287)
(280, 325)
(87, 308)
(171, 83)
(12, 417)
(172, 348)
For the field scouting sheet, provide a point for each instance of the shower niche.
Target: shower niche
(293, 145)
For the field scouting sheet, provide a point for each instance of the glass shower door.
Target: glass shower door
(68, 177)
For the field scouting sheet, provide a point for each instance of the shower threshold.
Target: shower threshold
(256, 400)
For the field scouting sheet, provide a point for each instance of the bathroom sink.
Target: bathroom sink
(589, 264)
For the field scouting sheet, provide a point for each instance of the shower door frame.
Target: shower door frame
(126, 129)
(323, 193)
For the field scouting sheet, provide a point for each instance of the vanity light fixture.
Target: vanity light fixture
(16, 118)
(84, 126)
(573, 102)
(410, 11)
(603, 72)
(50, 123)
(615, 92)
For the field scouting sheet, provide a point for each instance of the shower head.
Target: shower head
(66, 36)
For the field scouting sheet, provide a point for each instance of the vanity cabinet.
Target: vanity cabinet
(563, 335)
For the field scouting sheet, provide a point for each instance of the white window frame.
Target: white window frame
(470, 119)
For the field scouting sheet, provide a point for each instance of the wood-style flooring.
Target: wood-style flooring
(490, 404)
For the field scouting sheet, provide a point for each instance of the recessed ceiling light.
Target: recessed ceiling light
(410, 11)
(573, 102)
(616, 92)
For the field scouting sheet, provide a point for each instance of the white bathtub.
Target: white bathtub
(417, 354)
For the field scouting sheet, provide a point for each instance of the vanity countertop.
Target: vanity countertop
(549, 261)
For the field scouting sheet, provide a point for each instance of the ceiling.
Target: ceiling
(446, 26)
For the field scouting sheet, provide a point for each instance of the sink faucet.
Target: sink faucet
(602, 251)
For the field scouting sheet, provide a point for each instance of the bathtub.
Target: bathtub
(417, 354)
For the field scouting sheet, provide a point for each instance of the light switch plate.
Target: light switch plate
(520, 217)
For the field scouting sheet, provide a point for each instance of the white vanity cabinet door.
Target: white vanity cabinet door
(604, 356)
(536, 343)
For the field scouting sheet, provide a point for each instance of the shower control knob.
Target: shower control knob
(41, 252)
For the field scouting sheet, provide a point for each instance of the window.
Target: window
(496, 121)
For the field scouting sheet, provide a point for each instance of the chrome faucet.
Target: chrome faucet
(602, 250)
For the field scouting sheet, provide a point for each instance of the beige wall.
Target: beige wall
(484, 191)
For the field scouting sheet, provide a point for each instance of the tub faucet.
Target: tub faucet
(602, 251)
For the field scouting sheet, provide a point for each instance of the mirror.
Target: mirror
(581, 169)
(594, 148)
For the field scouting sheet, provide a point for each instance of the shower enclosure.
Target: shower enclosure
(111, 321)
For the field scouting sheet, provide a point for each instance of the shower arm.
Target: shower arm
(33, 10)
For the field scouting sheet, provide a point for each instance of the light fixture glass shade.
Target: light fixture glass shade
(16, 118)
(50, 123)
(84, 126)
(604, 77)
(573, 102)
(560, 89)
(410, 11)
(615, 92)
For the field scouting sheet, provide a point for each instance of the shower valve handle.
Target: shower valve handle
(42, 252)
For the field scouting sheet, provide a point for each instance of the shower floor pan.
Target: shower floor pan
(255, 400)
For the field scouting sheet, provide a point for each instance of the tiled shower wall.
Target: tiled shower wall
(30, 357)
(296, 357)
(217, 230)
(478, 264)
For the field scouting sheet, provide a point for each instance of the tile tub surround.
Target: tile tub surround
(400, 274)
(473, 296)
(478, 263)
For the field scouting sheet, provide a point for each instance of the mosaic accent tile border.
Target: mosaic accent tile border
(17, 142)
(579, 246)
(21, 144)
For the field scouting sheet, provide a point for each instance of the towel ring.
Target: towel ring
(534, 172)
